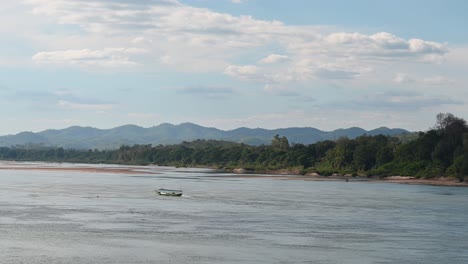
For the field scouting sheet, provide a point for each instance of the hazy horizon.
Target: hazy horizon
(273, 128)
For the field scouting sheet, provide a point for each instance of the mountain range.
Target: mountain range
(93, 138)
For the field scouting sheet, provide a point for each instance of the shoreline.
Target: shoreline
(73, 167)
(443, 181)
(295, 175)
(236, 173)
(87, 170)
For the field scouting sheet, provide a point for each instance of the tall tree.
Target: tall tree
(280, 143)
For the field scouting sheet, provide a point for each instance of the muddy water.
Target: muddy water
(73, 217)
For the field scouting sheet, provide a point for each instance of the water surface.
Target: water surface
(73, 217)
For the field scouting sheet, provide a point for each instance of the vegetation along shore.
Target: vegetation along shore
(438, 156)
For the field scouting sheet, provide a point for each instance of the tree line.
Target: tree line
(441, 151)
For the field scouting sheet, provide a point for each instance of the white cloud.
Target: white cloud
(179, 37)
(108, 57)
(435, 80)
(247, 72)
(428, 47)
(238, 1)
(381, 44)
(274, 58)
(402, 78)
(198, 36)
(139, 40)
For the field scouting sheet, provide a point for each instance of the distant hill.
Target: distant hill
(90, 138)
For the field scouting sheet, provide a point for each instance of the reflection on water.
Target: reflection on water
(72, 217)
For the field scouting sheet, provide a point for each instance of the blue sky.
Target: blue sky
(228, 63)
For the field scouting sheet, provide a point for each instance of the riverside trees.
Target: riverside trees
(441, 151)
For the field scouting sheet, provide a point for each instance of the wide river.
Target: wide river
(85, 217)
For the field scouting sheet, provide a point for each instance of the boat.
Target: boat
(169, 192)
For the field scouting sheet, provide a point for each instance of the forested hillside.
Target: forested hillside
(442, 151)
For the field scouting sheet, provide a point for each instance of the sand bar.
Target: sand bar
(75, 168)
(441, 181)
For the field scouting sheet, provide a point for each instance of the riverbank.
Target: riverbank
(70, 167)
(237, 173)
(295, 175)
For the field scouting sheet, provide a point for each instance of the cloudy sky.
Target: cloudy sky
(232, 63)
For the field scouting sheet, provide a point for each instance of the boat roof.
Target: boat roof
(169, 190)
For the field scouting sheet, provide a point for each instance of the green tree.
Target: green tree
(464, 170)
(280, 143)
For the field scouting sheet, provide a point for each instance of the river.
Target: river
(77, 217)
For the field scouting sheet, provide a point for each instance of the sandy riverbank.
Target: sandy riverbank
(74, 168)
(295, 175)
(275, 175)
(441, 181)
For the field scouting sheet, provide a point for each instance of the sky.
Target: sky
(232, 63)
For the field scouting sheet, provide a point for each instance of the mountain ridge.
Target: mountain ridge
(78, 137)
